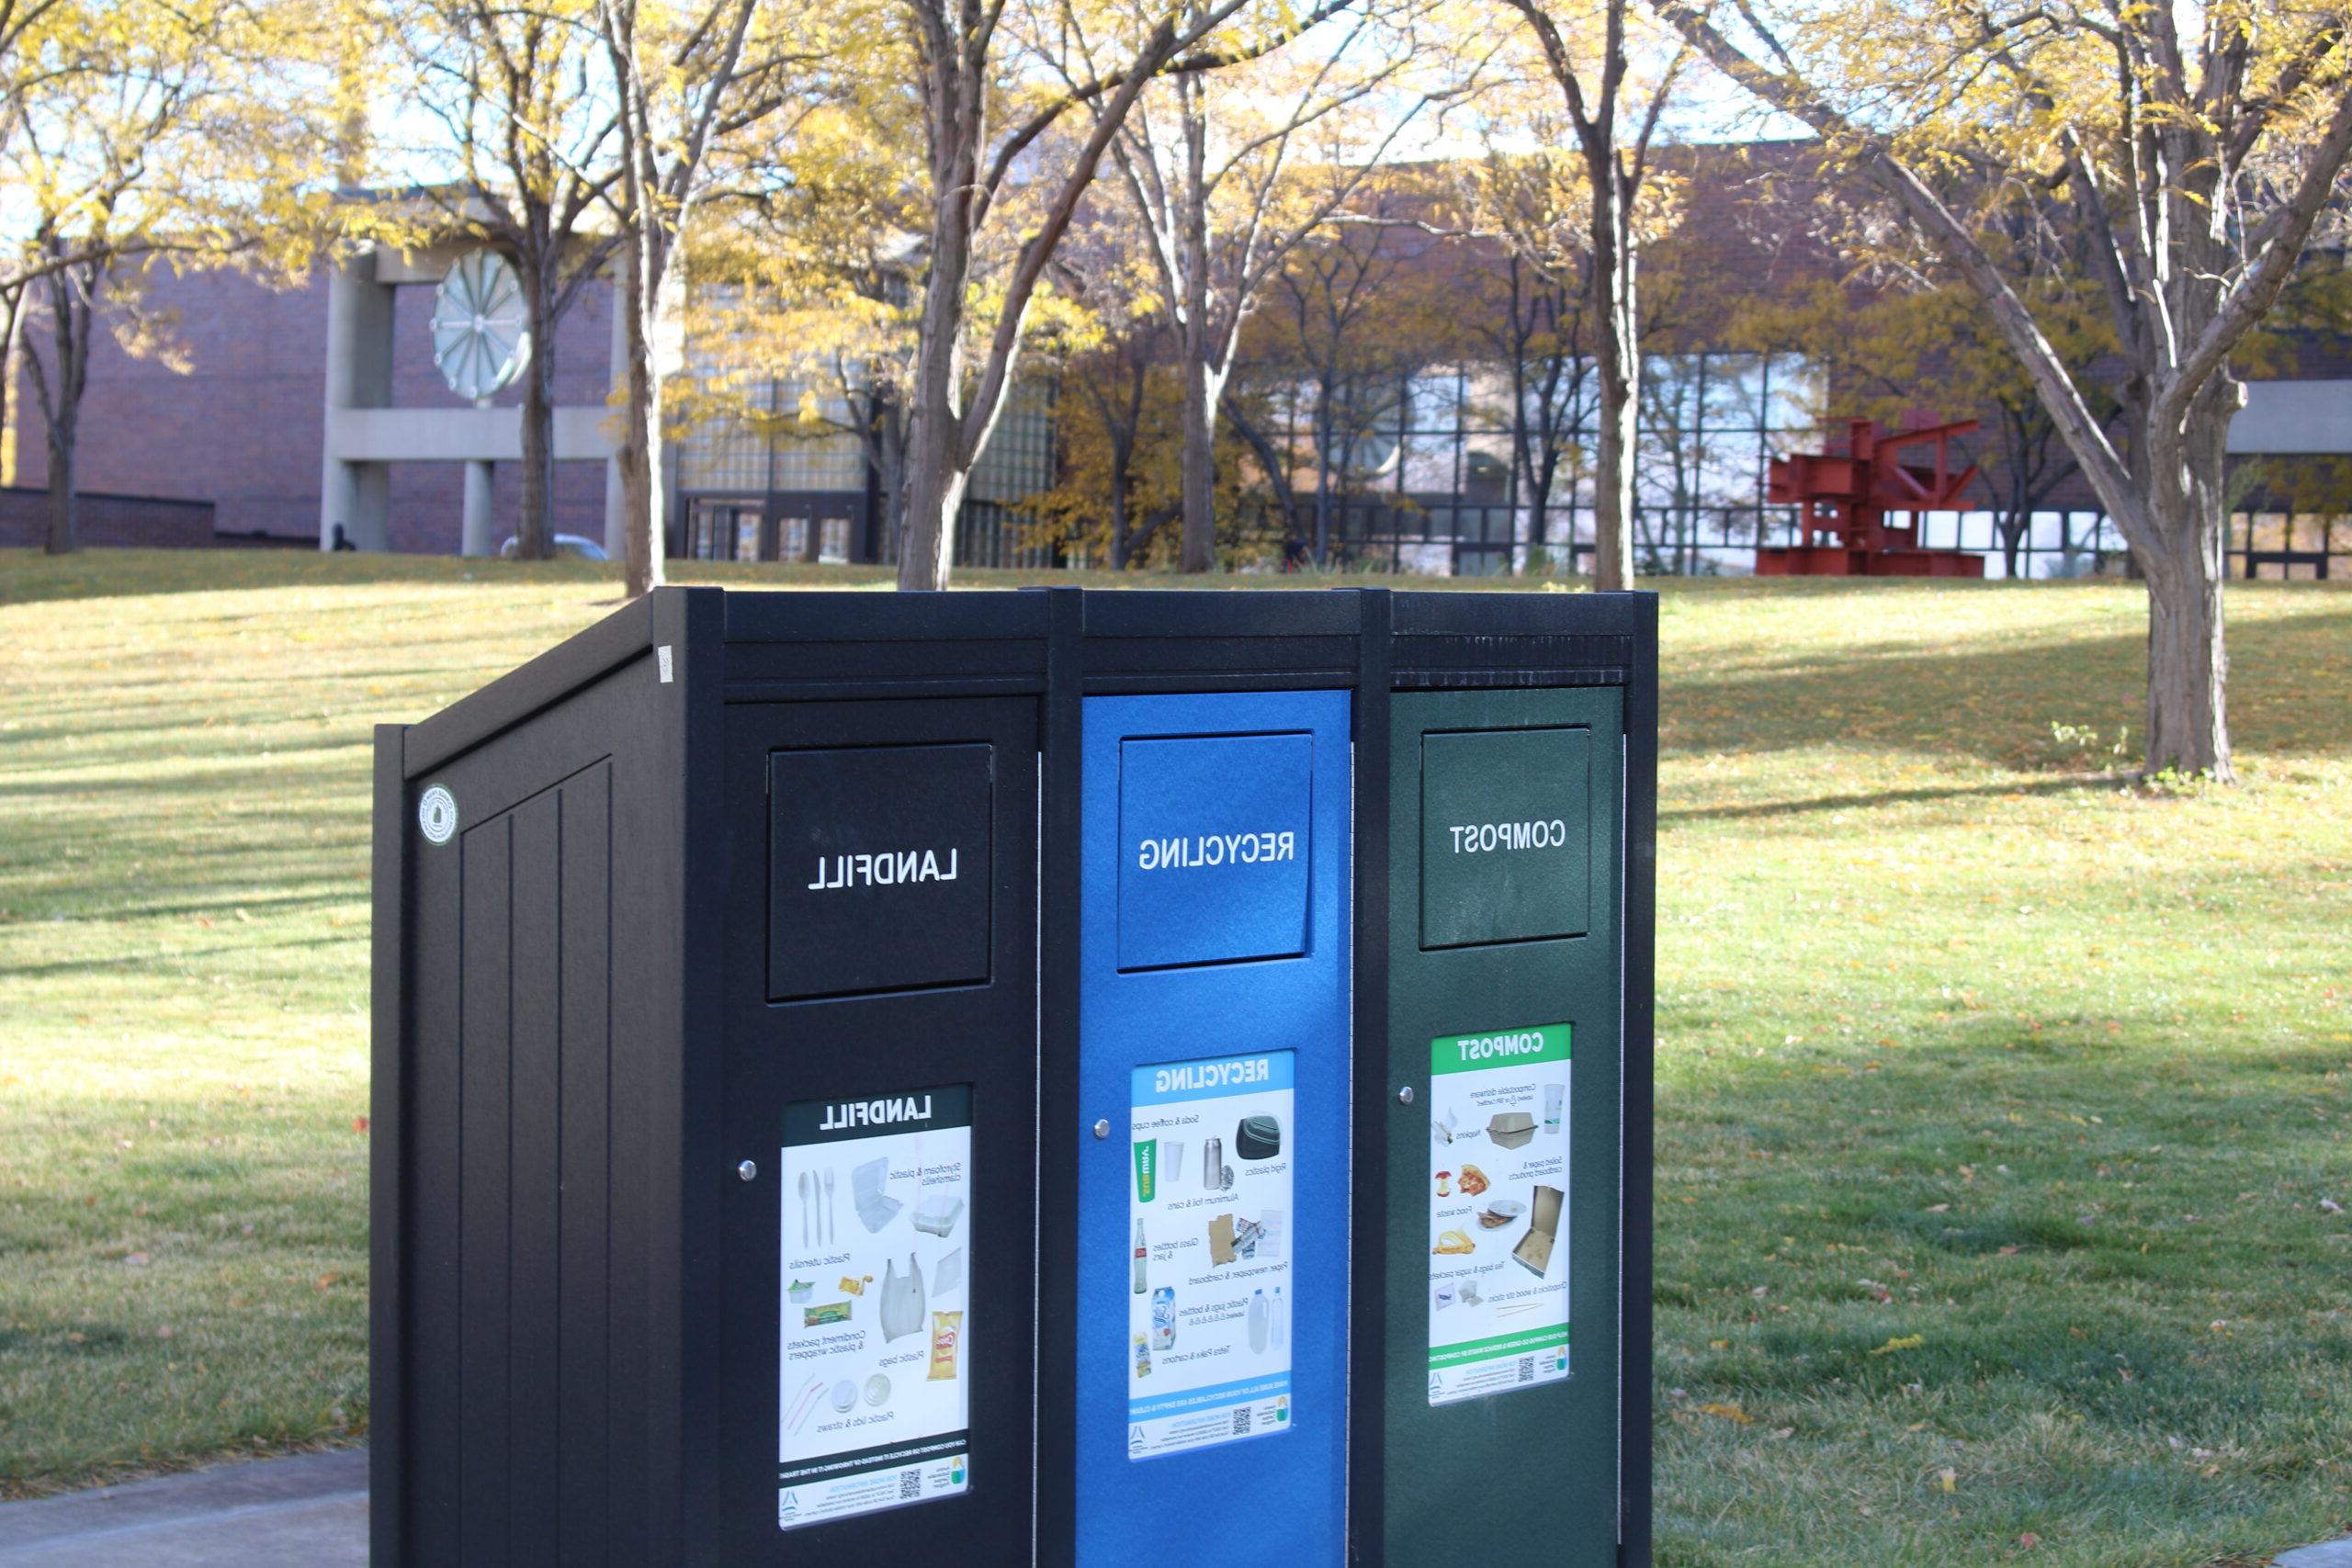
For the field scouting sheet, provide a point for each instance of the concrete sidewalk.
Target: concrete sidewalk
(310, 1511)
(306, 1512)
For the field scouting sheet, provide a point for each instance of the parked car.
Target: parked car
(568, 547)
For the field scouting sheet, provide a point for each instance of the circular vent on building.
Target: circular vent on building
(479, 338)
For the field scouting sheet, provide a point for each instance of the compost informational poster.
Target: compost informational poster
(871, 1407)
(1208, 1314)
(1498, 1200)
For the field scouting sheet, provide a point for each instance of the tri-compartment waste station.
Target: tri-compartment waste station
(1061, 1076)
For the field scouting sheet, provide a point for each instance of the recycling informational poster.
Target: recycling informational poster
(1209, 1205)
(1499, 1203)
(872, 1405)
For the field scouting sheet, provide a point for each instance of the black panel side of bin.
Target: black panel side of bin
(690, 1326)
(1636, 1314)
(527, 1385)
(554, 1162)
(1179, 640)
(1367, 1359)
(387, 902)
(1059, 869)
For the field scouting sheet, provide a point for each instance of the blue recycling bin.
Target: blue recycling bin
(1213, 1064)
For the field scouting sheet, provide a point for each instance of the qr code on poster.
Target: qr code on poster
(1527, 1368)
(1241, 1422)
(909, 1485)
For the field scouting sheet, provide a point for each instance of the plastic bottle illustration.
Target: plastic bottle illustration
(1258, 1314)
(1276, 1328)
(1140, 1252)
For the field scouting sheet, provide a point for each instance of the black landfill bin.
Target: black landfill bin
(703, 1198)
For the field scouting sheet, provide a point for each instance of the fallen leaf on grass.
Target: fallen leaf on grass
(1728, 1412)
(1907, 1342)
(1948, 1478)
(136, 1261)
(2028, 1540)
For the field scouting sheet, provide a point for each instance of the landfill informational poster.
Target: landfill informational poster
(1209, 1206)
(1498, 1205)
(873, 1409)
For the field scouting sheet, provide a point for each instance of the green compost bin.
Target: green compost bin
(1502, 1400)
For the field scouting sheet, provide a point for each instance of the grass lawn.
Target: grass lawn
(2002, 1111)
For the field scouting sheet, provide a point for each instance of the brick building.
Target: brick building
(242, 445)
(243, 428)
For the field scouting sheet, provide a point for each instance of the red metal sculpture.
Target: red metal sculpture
(1847, 497)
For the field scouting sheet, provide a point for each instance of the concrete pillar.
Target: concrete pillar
(474, 533)
(355, 496)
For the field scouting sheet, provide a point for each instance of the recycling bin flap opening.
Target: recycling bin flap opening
(1213, 848)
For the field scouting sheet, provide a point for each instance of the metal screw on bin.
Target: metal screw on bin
(746, 1171)
(1404, 1095)
(1102, 1128)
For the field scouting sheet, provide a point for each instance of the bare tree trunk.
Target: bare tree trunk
(61, 540)
(936, 471)
(1277, 474)
(1203, 390)
(890, 442)
(1619, 364)
(641, 455)
(935, 501)
(74, 296)
(535, 529)
(1204, 378)
(1321, 545)
(12, 365)
(1119, 511)
(934, 484)
(2187, 657)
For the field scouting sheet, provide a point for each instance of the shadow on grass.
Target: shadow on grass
(1996, 704)
(30, 576)
(1769, 809)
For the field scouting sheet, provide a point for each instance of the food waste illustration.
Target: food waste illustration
(872, 1409)
(1498, 1189)
(1209, 1321)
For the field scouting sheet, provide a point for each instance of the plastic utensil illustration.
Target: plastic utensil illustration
(835, 1235)
(804, 1208)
